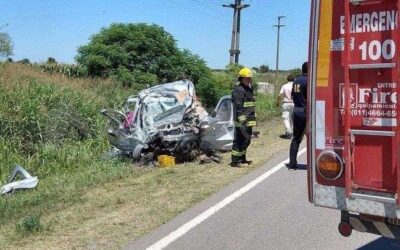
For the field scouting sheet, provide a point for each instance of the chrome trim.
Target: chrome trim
(358, 2)
(373, 66)
(340, 161)
(312, 103)
(372, 133)
(373, 198)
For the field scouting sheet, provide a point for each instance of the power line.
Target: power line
(197, 10)
(279, 26)
(235, 51)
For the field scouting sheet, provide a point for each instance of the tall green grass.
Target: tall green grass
(266, 107)
(51, 126)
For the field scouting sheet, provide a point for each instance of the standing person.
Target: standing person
(285, 96)
(299, 96)
(244, 115)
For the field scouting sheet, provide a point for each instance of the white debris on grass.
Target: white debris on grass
(27, 183)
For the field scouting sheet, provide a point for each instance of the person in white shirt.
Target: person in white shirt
(285, 96)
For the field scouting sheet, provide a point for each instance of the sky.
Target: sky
(56, 28)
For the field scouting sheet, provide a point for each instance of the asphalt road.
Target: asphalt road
(275, 214)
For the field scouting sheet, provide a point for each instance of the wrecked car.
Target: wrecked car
(168, 119)
(162, 119)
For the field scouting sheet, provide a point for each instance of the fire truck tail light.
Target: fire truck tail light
(330, 165)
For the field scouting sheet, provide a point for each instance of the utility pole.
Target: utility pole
(279, 26)
(235, 51)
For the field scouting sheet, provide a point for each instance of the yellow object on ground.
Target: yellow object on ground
(166, 161)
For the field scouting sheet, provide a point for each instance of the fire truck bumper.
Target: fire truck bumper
(389, 228)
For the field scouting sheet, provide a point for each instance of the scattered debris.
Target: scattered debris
(205, 159)
(255, 134)
(27, 183)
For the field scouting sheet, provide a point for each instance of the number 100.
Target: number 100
(375, 50)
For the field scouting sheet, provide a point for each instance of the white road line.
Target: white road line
(164, 242)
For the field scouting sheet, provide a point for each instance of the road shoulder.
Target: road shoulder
(199, 208)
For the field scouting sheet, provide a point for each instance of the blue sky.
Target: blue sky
(43, 28)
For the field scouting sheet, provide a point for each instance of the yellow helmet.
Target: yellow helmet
(245, 72)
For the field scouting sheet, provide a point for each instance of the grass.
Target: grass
(109, 215)
(29, 225)
(51, 126)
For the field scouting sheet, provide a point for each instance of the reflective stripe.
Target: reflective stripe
(251, 123)
(242, 118)
(238, 124)
(238, 153)
(249, 104)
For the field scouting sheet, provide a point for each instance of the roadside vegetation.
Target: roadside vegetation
(50, 124)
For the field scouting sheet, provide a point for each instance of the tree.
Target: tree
(295, 72)
(6, 46)
(24, 61)
(51, 60)
(136, 50)
(264, 68)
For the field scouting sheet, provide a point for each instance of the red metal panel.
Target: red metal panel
(363, 99)
(397, 141)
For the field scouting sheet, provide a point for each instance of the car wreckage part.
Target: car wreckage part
(27, 183)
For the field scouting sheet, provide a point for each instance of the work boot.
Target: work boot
(239, 165)
(291, 166)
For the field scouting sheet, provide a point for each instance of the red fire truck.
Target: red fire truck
(353, 137)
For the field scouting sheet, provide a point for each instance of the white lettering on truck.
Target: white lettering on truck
(371, 22)
(377, 97)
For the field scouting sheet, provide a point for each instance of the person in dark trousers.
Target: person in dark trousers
(244, 115)
(299, 97)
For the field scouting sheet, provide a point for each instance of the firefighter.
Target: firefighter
(299, 97)
(244, 117)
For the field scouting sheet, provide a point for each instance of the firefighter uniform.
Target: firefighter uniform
(299, 96)
(245, 119)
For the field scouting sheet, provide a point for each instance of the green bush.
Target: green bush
(209, 91)
(132, 48)
(144, 79)
(30, 224)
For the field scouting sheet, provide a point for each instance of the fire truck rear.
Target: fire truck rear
(353, 137)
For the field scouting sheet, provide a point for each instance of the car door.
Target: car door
(220, 134)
